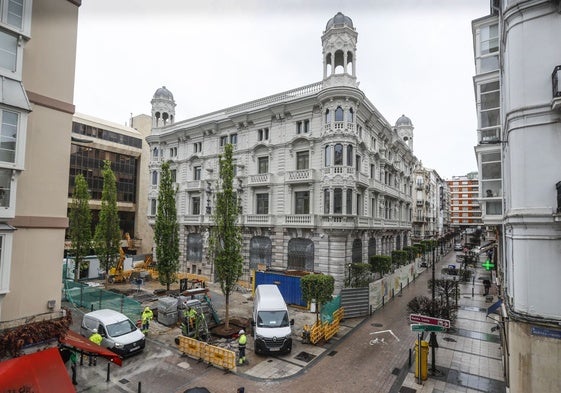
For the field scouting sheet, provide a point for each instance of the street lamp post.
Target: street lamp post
(432, 341)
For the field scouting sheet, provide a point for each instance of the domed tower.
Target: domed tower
(339, 51)
(163, 108)
(404, 129)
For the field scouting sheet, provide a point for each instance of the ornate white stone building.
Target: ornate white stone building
(323, 179)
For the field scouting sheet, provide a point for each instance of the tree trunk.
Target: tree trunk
(227, 316)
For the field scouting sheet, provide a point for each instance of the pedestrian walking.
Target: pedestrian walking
(96, 339)
(242, 341)
(73, 363)
(146, 317)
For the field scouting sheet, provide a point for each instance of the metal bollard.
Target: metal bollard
(472, 291)
(409, 357)
(139, 387)
(108, 368)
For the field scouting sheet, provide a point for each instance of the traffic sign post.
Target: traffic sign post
(423, 319)
(427, 328)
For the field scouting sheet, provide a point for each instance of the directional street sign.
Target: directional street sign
(445, 323)
(427, 328)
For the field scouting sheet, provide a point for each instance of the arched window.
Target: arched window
(349, 155)
(327, 117)
(398, 242)
(327, 155)
(357, 251)
(338, 154)
(260, 252)
(155, 152)
(338, 201)
(339, 114)
(194, 247)
(154, 178)
(351, 118)
(326, 201)
(301, 254)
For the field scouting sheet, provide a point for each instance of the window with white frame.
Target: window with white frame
(8, 136)
(263, 165)
(489, 98)
(263, 134)
(234, 139)
(197, 173)
(15, 22)
(302, 202)
(154, 178)
(153, 207)
(302, 127)
(5, 261)
(303, 160)
(198, 147)
(196, 205)
(262, 203)
(5, 185)
(489, 47)
(223, 140)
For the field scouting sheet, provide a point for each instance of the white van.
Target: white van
(272, 330)
(119, 333)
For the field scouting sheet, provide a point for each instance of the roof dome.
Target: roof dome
(403, 121)
(339, 20)
(162, 92)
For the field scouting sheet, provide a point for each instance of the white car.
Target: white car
(458, 247)
(119, 333)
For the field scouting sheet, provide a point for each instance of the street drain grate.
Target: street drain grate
(332, 353)
(449, 339)
(270, 360)
(305, 356)
(396, 371)
(377, 324)
(124, 380)
(405, 389)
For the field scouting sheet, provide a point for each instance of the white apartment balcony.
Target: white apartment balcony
(337, 170)
(300, 220)
(193, 219)
(339, 222)
(195, 185)
(339, 126)
(300, 176)
(363, 179)
(258, 220)
(259, 179)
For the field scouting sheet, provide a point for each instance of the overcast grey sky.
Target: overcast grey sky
(414, 57)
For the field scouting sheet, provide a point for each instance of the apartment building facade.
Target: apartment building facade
(465, 213)
(518, 97)
(430, 217)
(324, 180)
(36, 109)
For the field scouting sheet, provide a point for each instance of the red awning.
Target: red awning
(73, 339)
(41, 371)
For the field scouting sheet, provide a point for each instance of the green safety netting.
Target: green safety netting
(97, 298)
(328, 309)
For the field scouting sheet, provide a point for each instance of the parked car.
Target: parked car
(119, 333)
(458, 247)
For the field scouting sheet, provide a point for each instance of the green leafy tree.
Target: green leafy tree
(107, 238)
(80, 223)
(166, 230)
(399, 257)
(225, 241)
(359, 275)
(410, 253)
(318, 287)
(380, 264)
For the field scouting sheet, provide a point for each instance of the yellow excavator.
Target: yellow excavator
(117, 273)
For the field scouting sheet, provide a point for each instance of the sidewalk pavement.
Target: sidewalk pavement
(470, 356)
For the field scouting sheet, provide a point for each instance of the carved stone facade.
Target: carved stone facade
(323, 179)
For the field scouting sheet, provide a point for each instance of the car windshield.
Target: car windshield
(272, 319)
(120, 328)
